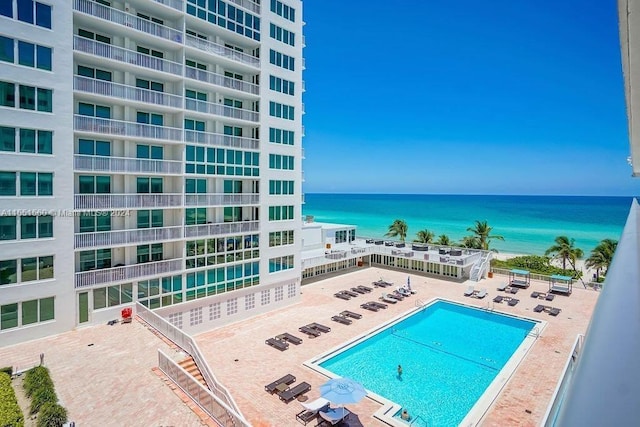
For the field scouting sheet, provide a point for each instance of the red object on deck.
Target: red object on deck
(126, 313)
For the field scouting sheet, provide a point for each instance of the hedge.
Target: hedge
(10, 413)
(52, 415)
(535, 264)
(37, 379)
(7, 370)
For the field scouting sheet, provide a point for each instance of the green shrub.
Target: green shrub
(36, 379)
(41, 397)
(8, 370)
(52, 415)
(535, 264)
(10, 413)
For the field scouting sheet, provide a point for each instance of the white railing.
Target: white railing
(132, 93)
(122, 128)
(316, 261)
(220, 80)
(221, 228)
(220, 50)
(125, 237)
(116, 53)
(217, 199)
(189, 345)
(126, 201)
(220, 140)
(127, 272)
(126, 164)
(248, 4)
(119, 17)
(176, 4)
(221, 110)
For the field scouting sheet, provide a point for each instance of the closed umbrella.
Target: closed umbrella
(409, 283)
(342, 391)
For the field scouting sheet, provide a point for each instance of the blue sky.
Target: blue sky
(465, 97)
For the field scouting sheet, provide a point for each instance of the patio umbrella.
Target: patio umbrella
(342, 391)
(409, 282)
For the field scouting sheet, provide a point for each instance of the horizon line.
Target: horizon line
(471, 194)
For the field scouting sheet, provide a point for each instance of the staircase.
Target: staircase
(480, 267)
(189, 365)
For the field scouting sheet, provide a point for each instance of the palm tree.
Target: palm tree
(399, 228)
(565, 250)
(482, 232)
(601, 256)
(443, 240)
(424, 236)
(471, 242)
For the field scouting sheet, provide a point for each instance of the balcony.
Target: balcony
(121, 128)
(220, 80)
(131, 93)
(175, 4)
(205, 230)
(126, 201)
(115, 53)
(220, 140)
(223, 51)
(128, 272)
(125, 19)
(217, 199)
(127, 237)
(126, 165)
(221, 110)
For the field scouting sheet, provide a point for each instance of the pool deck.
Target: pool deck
(523, 401)
(104, 374)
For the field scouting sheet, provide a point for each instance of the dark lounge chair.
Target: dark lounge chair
(292, 393)
(342, 296)
(513, 301)
(289, 338)
(342, 319)
(351, 314)
(535, 294)
(539, 308)
(378, 304)
(365, 288)
(312, 333)
(358, 290)
(276, 343)
(370, 307)
(554, 311)
(351, 294)
(550, 297)
(319, 327)
(499, 298)
(287, 379)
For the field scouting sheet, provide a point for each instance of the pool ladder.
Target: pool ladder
(535, 332)
(490, 306)
(415, 420)
(420, 303)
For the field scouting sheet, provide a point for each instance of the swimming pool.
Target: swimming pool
(450, 354)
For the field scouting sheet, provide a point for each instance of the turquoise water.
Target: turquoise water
(449, 355)
(529, 224)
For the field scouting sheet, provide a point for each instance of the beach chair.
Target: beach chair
(499, 298)
(342, 296)
(482, 293)
(396, 295)
(365, 288)
(289, 338)
(380, 284)
(292, 393)
(311, 333)
(538, 308)
(503, 286)
(403, 292)
(549, 297)
(379, 304)
(389, 299)
(535, 294)
(342, 319)
(470, 291)
(287, 379)
(276, 343)
(554, 311)
(335, 416)
(319, 327)
(311, 410)
(351, 314)
(351, 294)
(358, 291)
(368, 306)
(513, 301)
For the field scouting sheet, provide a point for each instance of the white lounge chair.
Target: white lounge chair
(334, 415)
(482, 293)
(402, 291)
(470, 291)
(503, 286)
(387, 298)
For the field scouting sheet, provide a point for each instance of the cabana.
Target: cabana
(519, 278)
(560, 284)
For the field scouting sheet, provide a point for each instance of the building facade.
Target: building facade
(150, 152)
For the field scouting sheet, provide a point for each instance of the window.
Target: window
(7, 183)
(195, 216)
(8, 316)
(219, 12)
(92, 260)
(197, 125)
(90, 184)
(148, 51)
(6, 49)
(281, 60)
(281, 136)
(36, 227)
(281, 110)
(112, 296)
(8, 271)
(280, 264)
(281, 238)
(92, 147)
(280, 213)
(43, 15)
(150, 118)
(33, 311)
(29, 54)
(94, 73)
(281, 85)
(36, 268)
(150, 218)
(281, 34)
(277, 161)
(193, 94)
(155, 152)
(6, 8)
(30, 141)
(194, 64)
(151, 18)
(36, 184)
(8, 228)
(94, 36)
(91, 222)
(7, 94)
(148, 185)
(147, 253)
(151, 85)
(195, 186)
(92, 110)
(287, 12)
(277, 187)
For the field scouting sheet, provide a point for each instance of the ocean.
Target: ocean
(529, 224)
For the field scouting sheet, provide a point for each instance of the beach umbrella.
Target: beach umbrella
(409, 282)
(342, 391)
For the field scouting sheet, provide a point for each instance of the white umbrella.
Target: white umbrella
(342, 391)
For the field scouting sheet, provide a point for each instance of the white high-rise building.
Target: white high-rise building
(150, 151)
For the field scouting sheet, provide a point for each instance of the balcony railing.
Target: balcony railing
(126, 164)
(132, 93)
(221, 110)
(221, 228)
(128, 272)
(127, 201)
(220, 80)
(125, 237)
(122, 128)
(221, 199)
(220, 140)
(119, 17)
(116, 53)
(220, 50)
(176, 4)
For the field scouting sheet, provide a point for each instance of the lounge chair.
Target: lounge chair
(470, 291)
(287, 379)
(513, 301)
(403, 292)
(388, 298)
(512, 290)
(554, 311)
(319, 327)
(550, 297)
(311, 409)
(378, 304)
(365, 288)
(276, 343)
(312, 333)
(503, 287)
(351, 294)
(292, 393)
(380, 284)
(289, 338)
(342, 319)
(538, 308)
(369, 306)
(535, 294)
(499, 298)
(481, 294)
(358, 290)
(334, 416)
(396, 295)
(351, 314)
(342, 296)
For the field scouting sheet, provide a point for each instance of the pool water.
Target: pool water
(449, 354)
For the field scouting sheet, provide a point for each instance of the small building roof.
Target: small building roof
(522, 272)
(561, 277)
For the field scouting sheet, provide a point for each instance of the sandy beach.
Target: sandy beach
(587, 273)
